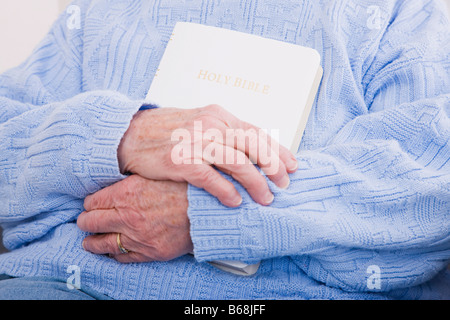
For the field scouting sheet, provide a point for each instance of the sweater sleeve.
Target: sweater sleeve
(377, 196)
(58, 143)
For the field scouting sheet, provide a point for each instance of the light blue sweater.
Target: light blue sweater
(372, 193)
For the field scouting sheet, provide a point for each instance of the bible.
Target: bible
(268, 83)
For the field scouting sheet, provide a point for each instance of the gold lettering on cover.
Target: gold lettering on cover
(202, 74)
(236, 82)
(212, 77)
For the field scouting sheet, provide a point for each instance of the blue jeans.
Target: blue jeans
(43, 288)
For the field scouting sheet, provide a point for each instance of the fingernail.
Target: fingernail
(232, 202)
(268, 199)
(292, 165)
(83, 245)
(237, 202)
(285, 182)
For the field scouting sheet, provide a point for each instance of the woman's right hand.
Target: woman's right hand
(151, 148)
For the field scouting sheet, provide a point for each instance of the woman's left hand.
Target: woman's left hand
(150, 216)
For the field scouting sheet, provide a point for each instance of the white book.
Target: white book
(268, 83)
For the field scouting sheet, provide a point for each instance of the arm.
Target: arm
(377, 194)
(350, 205)
(58, 144)
(61, 144)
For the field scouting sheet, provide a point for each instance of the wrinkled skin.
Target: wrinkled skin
(149, 208)
(151, 217)
(146, 150)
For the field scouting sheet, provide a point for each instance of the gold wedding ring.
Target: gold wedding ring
(121, 247)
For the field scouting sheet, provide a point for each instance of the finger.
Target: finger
(243, 129)
(270, 149)
(236, 164)
(100, 221)
(268, 159)
(131, 257)
(102, 199)
(286, 157)
(273, 159)
(205, 177)
(107, 244)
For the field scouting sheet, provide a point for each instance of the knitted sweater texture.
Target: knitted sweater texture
(367, 215)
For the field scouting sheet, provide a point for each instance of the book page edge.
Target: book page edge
(305, 116)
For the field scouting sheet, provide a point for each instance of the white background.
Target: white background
(23, 23)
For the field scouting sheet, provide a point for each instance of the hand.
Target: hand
(148, 149)
(151, 217)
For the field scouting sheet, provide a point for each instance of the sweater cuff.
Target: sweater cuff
(113, 113)
(222, 233)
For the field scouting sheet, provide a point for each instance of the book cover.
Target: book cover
(268, 83)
